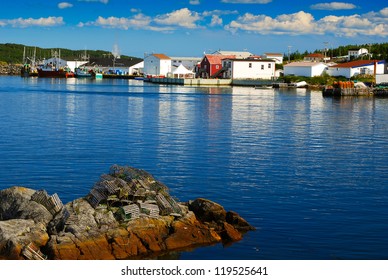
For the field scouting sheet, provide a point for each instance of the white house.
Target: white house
(357, 53)
(277, 57)
(305, 69)
(358, 67)
(248, 68)
(157, 65)
(314, 57)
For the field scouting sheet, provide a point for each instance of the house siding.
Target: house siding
(156, 67)
(249, 69)
(349, 72)
(305, 70)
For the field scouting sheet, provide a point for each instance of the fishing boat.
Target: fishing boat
(83, 73)
(49, 71)
(29, 65)
(55, 67)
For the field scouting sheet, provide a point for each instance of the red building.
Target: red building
(211, 65)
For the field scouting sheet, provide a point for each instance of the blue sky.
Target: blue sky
(192, 27)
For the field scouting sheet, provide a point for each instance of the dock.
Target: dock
(189, 82)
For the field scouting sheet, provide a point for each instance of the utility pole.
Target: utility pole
(289, 49)
(325, 50)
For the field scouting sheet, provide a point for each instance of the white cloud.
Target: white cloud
(351, 26)
(28, 22)
(216, 20)
(64, 5)
(297, 23)
(138, 21)
(384, 12)
(194, 2)
(333, 6)
(101, 1)
(247, 1)
(304, 23)
(219, 12)
(183, 17)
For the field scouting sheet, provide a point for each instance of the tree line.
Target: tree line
(378, 51)
(13, 53)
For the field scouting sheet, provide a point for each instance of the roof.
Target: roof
(161, 56)
(236, 54)
(186, 58)
(315, 55)
(108, 62)
(302, 64)
(217, 59)
(358, 63)
(273, 54)
(182, 70)
(250, 59)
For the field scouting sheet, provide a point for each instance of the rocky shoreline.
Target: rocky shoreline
(127, 214)
(10, 69)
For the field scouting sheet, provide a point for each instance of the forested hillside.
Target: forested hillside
(13, 53)
(378, 51)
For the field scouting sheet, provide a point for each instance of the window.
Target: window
(217, 66)
(250, 65)
(269, 65)
(262, 67)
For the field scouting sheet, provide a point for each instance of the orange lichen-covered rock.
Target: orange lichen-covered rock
(99, 227)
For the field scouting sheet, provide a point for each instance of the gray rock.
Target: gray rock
(15, 203)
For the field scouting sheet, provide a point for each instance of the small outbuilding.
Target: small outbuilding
(358, 67)
(305, 69)
(183, 72)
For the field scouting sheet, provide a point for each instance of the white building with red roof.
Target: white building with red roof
(358, 67)
(157, 65)
(315, 57)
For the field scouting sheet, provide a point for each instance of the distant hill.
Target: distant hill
(13, 53)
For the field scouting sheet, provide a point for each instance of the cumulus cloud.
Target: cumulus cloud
(183, 17)
(247, 1)
(29, 22)
(304, 23)
(138, 21)
(384, 12)
(64, 5)
(296, 23)
(333, 6)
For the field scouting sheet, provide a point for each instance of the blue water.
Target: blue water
(310, 173)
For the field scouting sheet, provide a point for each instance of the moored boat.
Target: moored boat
(83, 73)
(52, 72)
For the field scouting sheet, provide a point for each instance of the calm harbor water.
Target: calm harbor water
(310, 173)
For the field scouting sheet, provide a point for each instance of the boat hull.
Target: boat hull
(54, 74)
